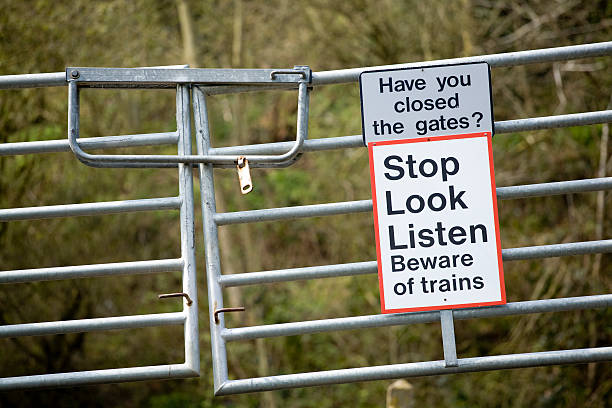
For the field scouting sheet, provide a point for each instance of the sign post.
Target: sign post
(428, 132)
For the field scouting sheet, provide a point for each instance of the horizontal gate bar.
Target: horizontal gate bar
(33, 80)
(106, 142)
(495, 60)
(47, 79)
(310, 145)
(101, 208)
(554, 250)
(301, 211)
(351, 74)
(386, 372)
(114, 375)
(384, 320)
(286, 275)
(88, 271)
(504, 126)
(554, 188)
(89, 325)
(370, 267)
(170, 77)
(349, 207)
(552, 122)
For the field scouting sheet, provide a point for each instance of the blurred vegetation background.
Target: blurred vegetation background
(46, 36)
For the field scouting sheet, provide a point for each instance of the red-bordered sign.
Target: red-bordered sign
(436, 223)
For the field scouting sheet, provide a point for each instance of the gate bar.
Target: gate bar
(48, 79)
(211, 240)
(504, 126)
(384, 320)
(555, 250)
(426, 368)
(554, 188)
(187, 223)
(90, 325)
(507, 59)
(293, 274)
(33, 80)
(171, 77)
(370, 267)
(349, 207)
(448, 338)
(352, 74)
(113, 375)
(100, 208)
(105, 142)
(90, 271)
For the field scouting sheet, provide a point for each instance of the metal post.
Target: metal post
(211, 240)
(448, 338)
(190, 308)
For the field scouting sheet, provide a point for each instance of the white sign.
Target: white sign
(426, 101)
(428, 132)
(437, 235)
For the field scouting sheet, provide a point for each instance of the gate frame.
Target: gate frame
(212, 220)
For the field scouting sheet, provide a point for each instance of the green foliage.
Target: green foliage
(176, 400)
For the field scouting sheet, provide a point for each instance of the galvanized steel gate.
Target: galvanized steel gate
(202, 83)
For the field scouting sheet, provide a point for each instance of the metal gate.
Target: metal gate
(186, 264)
(203, 84)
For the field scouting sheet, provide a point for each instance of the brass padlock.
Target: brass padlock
(244, 175)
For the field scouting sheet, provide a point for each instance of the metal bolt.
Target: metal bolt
(74, 74)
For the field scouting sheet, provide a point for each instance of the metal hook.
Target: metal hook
(226, 309)
(179, 294)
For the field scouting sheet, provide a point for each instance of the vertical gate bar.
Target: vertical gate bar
(448, 338)
(211, 239)
(183, 123)
(73, 110)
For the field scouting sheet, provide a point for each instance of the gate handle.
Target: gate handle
(182, 100)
